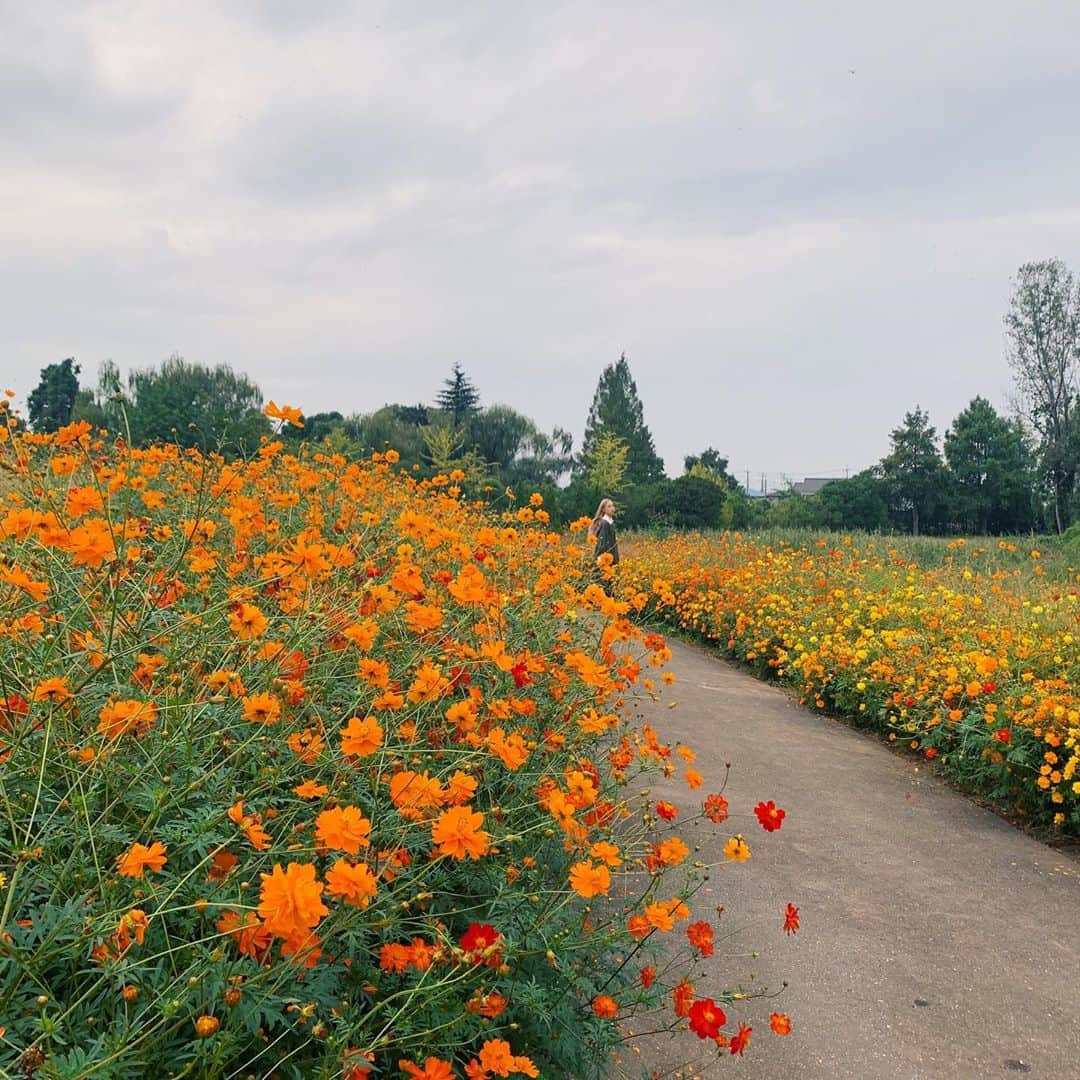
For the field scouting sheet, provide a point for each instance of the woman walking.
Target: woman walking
(602, 530)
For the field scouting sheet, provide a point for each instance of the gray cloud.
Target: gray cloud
(798, 220)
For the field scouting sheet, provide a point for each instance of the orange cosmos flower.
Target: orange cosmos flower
(54, 690)
(413, 792)
(433, 1069)
(662, 915)
(780, 1023)
(716, 808)
(352, 882)
(683, 998)
(460, 788)
(459, 832)
(251, 824)
(605, 1006)
(362, 634)
(120, 717)
(205, 1026)
(361, 738)
(420, 618)
(14, 575)
(262, 709)
(247, 931)
(510, 750)
(139, 858)
(588, 879)
(285, 413)
(343, 828)
(306, 745)
(736, 849)
(310, 790)
(247, 622)
(428, 685)
(606, 852)
(700, 935)
(91, 543)
(221, 862)
(490, 1006)
(289, 900)
(672, 851)
(694, 779)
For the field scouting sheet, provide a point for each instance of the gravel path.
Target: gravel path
(937, 941)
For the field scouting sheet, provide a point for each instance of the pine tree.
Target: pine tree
(53, 399)
(913, 470)
(459, 398)
(616, 409)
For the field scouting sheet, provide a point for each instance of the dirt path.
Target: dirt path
(937, 941)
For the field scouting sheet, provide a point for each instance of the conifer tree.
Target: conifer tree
(459, 398)
(617, 410)
(53, 399)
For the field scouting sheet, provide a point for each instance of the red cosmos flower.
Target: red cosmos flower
(931, 753)
(716, 808)
(521, 675)
(12, 708)
(648, 976)
(477, 940)
(740, 1041)
(706, 1018)
(459, 676)
(791, 919)
(700, 935)
(989, 687)
(666, 810)
(1003, 735)
(770, 815)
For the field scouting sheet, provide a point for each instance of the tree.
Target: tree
(498, 434)
(913, 470)
(52, 401)
(317, 427)
(543, 458)
(196, 406)
(390, 428)
(458, 397)
(688, 502)
(991, 471)
(616, 409)
(446, 454)
(607, 464)
(1043, 331)
(857, 502)
(710, 465)
(795, 511)
(522, 453)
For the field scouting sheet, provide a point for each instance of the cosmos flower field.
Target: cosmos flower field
(312, 769)
(965, 651)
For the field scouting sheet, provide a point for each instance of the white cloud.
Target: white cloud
(798, 220)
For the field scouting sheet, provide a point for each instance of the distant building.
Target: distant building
(811, 485)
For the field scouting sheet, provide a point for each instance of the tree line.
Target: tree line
(991, 473)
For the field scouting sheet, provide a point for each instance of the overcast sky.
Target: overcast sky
(797, 219)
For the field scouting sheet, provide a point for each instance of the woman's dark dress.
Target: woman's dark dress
(606, 544)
